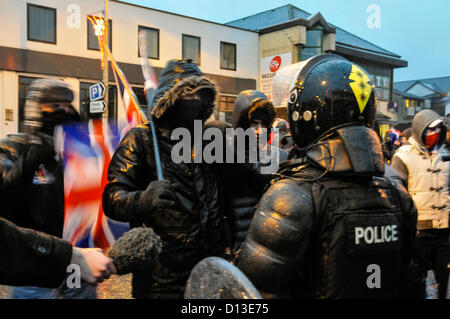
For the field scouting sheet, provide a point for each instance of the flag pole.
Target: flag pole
(149, 89)
(106, 68)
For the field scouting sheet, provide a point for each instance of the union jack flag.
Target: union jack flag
(86, 150)
(129, 100)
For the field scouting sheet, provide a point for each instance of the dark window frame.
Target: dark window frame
(28, 23)
(235, 56)
(158, 40)
(183, 35)
(109, 34)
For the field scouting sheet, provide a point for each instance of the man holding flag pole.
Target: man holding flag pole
(181, 202)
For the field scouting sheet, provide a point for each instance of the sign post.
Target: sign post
(96, 94)
(97, 106)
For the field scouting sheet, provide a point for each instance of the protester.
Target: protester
(285, 139)
(244, 183)
(406, 134)
(331, 222)
(423, 168)
(29, 257)
(254, 110)
(391, 144)
(185, 209)
(31, 174)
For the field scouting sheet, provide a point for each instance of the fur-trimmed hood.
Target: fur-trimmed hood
(181, 77)
(245, 100)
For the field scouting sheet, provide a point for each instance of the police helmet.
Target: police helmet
(328, 91)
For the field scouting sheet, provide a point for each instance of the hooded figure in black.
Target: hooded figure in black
(243, 182)
(331, 222)
(185, 208)
(31, 175)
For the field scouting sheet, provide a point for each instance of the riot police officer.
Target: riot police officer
(331, 225)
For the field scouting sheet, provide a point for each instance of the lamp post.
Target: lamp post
(100, 25)
(105, 69)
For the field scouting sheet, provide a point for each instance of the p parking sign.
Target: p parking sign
(97, 91)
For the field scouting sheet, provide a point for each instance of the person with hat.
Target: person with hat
(31, 173)
(423, 167)
(331, 225)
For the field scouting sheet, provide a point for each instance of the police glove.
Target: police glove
(158, 195)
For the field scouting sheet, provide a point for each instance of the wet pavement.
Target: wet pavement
(116, 287)
(119, 287)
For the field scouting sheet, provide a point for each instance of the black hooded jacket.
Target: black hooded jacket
(195, 228)
(32, 189)
(31, 173)
(243, 184)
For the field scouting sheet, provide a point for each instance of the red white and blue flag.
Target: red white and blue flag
(86, 149)
(129, 100)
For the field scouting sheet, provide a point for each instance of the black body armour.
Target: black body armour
(333, 226)
(357, 243)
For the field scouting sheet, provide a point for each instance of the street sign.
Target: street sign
(97, 91)
(97, 106)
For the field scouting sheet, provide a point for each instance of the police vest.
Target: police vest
(356, 249)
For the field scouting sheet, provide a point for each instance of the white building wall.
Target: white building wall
(9, 89)
(72, 40)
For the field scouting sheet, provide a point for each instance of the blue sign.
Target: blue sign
(392, 107)
(97, 91)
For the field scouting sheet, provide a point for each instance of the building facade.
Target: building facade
(301, 35)
(49, 38)
(434, 91)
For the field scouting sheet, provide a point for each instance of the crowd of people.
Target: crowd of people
(340, 202)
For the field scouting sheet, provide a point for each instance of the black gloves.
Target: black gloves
(158, 195)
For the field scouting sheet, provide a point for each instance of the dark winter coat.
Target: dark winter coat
(243, 184)
(31, 258)
(288, 245)
(195, 228)
(32, 192)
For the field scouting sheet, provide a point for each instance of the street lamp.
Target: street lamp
(99, 21)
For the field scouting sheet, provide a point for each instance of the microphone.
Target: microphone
(135, 250)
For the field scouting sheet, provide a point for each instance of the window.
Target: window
(226, 107)
(152, 45)
(228, 56)
(24, 84)
(191, 48)
(313, 46)
(41, 23)
(93, 40)
(142, 99)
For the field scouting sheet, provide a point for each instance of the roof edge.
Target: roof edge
(183, 16)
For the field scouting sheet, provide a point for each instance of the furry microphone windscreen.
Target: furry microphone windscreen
(135, 250)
